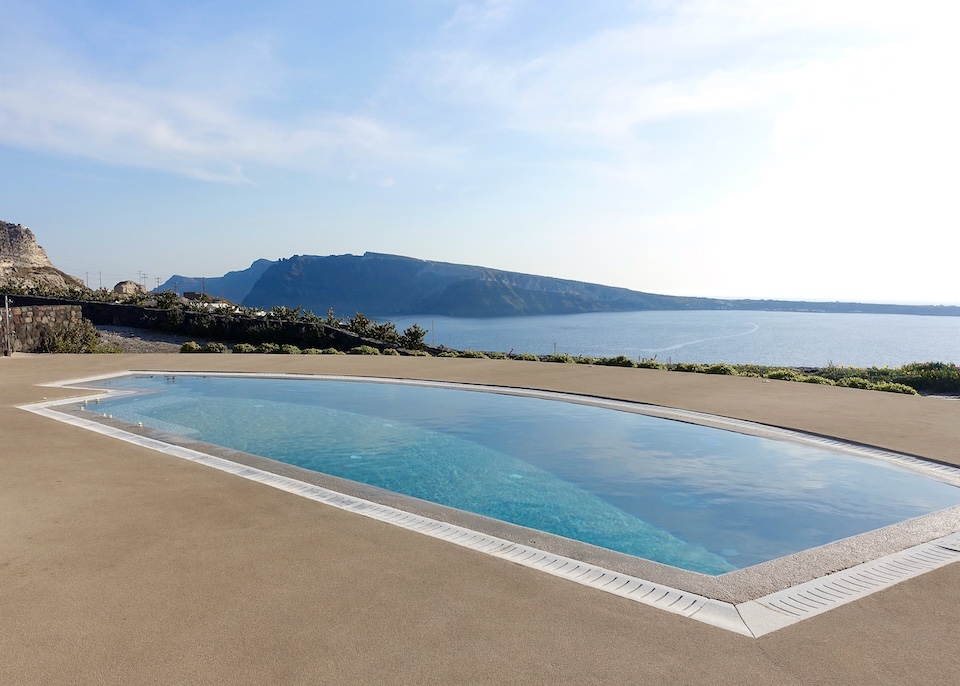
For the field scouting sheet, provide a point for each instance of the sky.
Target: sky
(794, 149)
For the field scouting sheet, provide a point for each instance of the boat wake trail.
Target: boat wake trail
(756, 327)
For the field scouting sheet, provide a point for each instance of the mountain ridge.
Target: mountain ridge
(386, 284)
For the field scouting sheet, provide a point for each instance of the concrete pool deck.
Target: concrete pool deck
(119, 564)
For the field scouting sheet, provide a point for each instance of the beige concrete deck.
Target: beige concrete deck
(120, 565)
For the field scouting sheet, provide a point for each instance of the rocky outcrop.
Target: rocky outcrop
(24, 263)
(129, 288)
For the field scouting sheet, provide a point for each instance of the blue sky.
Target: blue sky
(729, 148)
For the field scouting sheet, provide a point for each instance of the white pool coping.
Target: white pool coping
(753, 618)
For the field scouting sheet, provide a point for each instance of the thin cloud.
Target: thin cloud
(215, 113)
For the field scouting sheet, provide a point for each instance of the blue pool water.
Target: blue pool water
(693, 497)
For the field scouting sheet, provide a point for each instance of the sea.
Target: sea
(795, 339)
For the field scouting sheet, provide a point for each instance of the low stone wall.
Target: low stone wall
(28, 324)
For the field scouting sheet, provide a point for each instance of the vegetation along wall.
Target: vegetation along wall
(31, 326)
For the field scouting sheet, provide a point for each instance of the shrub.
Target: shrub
(412, 337)
(364, 350)
(288, 349)
(720, 368)
(559, 357)
(618, 361)
(166, 300)
(855, 382)
(213, 348)
(418, 353)
(79, 337)
(332, 351)
(473, 354)
(268, 348)
(891, 387)
(813, 378)
(526, 357)
(651, 364)
(753, 370)
(585, 360)
(244, 348)
(449, 353)
(688, 367)
(312, 351)
(784, 374)
(498, 356)
(190, 347)
(390, 351)
(937, 377)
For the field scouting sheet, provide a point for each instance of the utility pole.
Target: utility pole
(101, 281)
(87, 280)
(7, 347)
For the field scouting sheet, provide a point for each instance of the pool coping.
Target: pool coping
(751, 601)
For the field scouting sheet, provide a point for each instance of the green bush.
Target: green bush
(166, 300)
(753, 370)
(364, 350)
(618, 361)
(891, 387)
(651, 364)
(560, 357)
(498, 356)
(390, 351)
(190, 347)
(526, 357)
(213, 347)
(688, 367)
(244, 348)
(784, 374)
(419, 353)
(855, 382)
(268, 348)
(412, 337)
(473, 354)
(449, 353)
(813, 378)
(585, 360)
(934, 377)
(720, 368)
(78, 337)
(288, 349)
(332, 351)
(312, 351)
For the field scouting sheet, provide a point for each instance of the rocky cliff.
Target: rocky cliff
(232, 286)
(379, 284)
(389, 285)
(24, 263)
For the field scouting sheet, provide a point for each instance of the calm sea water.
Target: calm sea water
(801, 339)
(690, 496)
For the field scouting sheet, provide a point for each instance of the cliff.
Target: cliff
(232, 286)
(24, 263)
(378, 284)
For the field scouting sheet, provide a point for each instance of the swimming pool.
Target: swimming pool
(693, 497)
